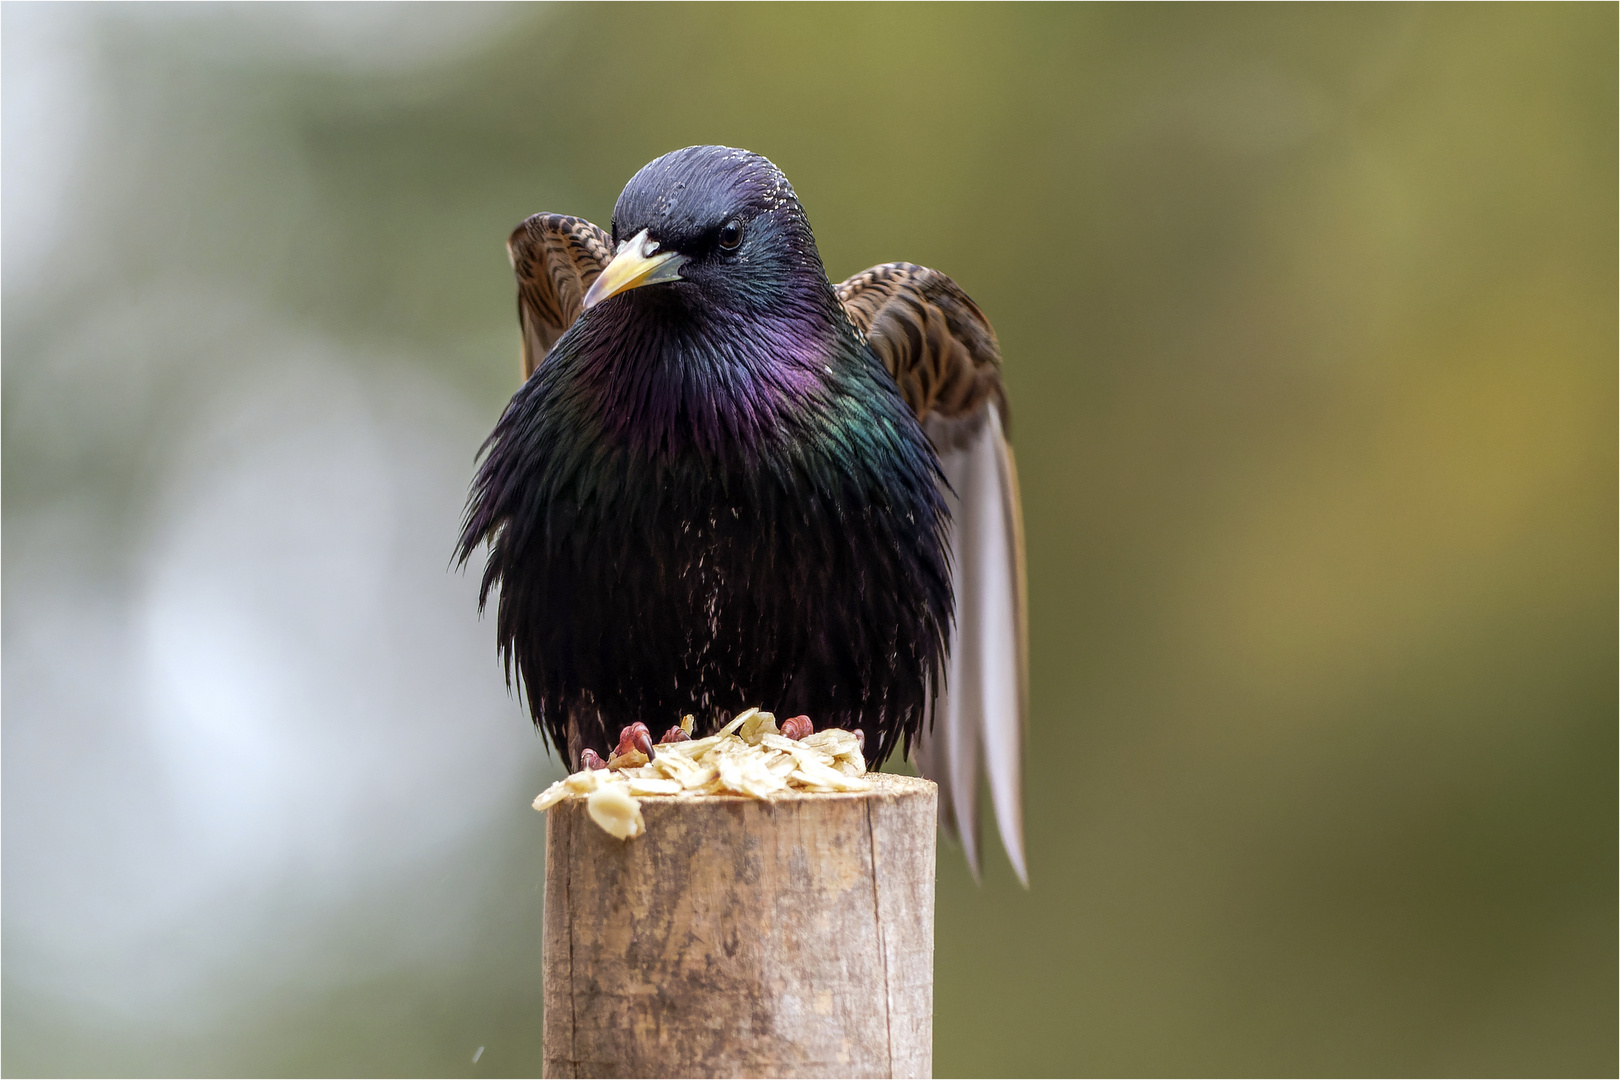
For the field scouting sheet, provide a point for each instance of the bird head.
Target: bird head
(712, 226)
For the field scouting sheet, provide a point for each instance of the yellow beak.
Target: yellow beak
(635, 265)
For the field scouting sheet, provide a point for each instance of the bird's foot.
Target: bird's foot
(590, 759)
(797, 727)
(634, 737)
(635, 741)
(674, 734)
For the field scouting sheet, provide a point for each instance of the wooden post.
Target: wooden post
(787, 937)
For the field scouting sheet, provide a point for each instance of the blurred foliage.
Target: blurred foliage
(1310, 325)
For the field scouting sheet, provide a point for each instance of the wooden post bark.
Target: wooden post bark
(738, 937)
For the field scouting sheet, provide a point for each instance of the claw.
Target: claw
(674, 734)
(634, 737)
(797, 728)
(589, 759)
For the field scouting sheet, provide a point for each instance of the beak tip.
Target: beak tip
(598, 291)
(634, 266)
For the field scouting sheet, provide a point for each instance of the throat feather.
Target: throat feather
(725, 394)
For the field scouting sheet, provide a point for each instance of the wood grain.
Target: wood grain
(787, 937)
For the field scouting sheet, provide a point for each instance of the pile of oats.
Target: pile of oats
(749, 756)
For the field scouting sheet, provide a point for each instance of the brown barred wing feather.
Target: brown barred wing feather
(555, 258)
(931, 336)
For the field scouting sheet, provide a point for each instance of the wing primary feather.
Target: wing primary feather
(945, 360)
(958, 744)
(980, 715)
(996, 578)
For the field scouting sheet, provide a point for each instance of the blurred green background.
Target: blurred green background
(1310, 323)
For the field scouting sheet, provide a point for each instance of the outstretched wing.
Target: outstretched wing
(943, 354)
(555, 258)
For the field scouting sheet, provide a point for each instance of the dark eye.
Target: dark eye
(731, 234)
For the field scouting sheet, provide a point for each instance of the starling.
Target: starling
(726, 481)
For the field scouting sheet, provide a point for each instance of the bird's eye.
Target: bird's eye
(731, 234)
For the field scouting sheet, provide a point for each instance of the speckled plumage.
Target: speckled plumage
(711, 494)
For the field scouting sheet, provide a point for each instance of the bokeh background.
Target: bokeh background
(1310, 325)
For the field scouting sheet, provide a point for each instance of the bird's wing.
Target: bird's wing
(555, 258)
(943, 354)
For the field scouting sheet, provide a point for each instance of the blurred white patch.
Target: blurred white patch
(294, 702)
(265, 589)
(47, 107)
